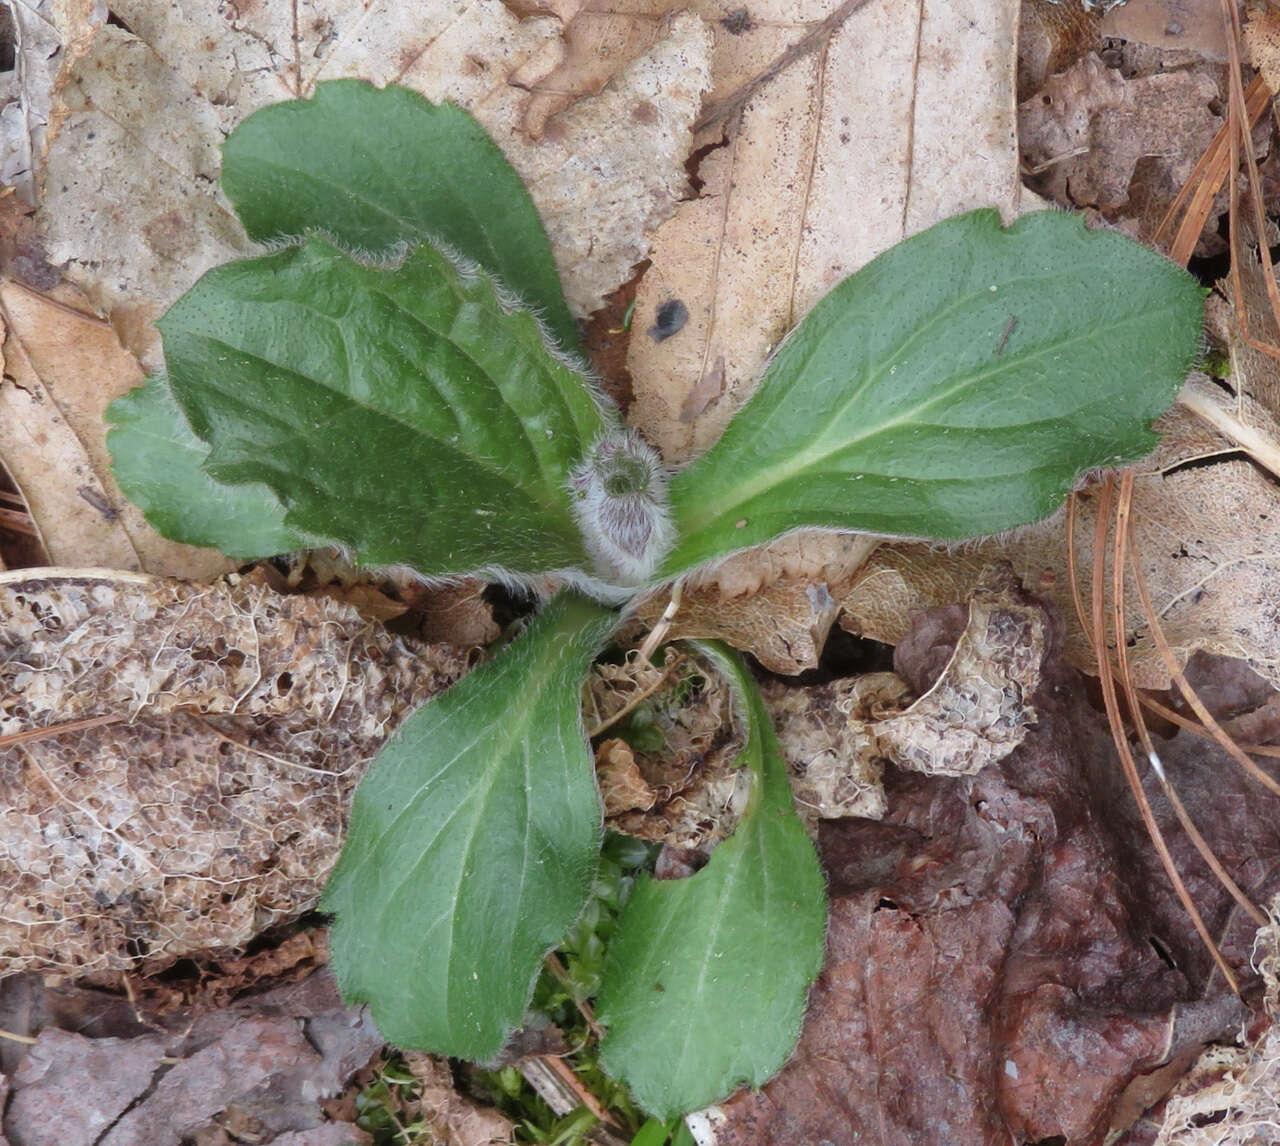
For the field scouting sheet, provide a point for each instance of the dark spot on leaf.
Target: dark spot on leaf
(644, 112)
(737, 22)
(670, 319)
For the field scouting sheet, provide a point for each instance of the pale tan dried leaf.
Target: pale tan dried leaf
(1262, 36)
(902, 116)
(1210, 542)
(1194, 26)
(622, 786)
(603, 174)
(62, 368)
(145, 113)
(980, 708)
(700, 793)
(600, 39)
(453, 1119)
(221, 809)
(835, 767)
(47, 34)
(778, 602)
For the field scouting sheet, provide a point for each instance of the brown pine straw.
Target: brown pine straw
(1098, 636)
(1126, 544)
(57, 729)
(1238, 113)
(1220, 162)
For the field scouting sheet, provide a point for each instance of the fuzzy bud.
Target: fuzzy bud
(620, 501)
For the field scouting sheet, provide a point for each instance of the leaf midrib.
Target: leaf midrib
(796, 464)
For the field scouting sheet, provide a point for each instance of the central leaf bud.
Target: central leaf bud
(620, 501)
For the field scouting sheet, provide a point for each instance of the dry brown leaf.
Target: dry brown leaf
(622, 786)
(221, 807)
(1231, 1097)
(45, 34)
(453, 1119)
(130, 194)
(1096, 137)
(834, 768)
(778, 602)
(1190, 25)
(1262, 36)
(62, 368)
(980, 707)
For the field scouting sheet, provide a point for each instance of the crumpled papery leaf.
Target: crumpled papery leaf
(216, 805)
(62, 366)
(994, 959)
(686, 790)
(135, 211)
(979, 708)
(778, 601)
(1122, 144)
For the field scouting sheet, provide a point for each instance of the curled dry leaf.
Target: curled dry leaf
(181, 86)
(452, 1118)
(62, 367)
(834, 767)
(220, 807)
(1095, 137)
(675, 782)
(779, 602)
(980, 708)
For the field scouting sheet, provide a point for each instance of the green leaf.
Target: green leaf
(157, 461)
(706, 982)
(376, 167)
(473, 844)
(955, 386)
(409, 413)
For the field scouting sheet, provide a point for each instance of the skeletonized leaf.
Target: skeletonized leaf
(158, 462)
(413, 413)
(706, 983)
(376, 167)
(954, 386)
(473, 844)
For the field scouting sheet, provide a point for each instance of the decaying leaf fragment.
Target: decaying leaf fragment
(980, 707)
(1231, 1097)
(215, 802)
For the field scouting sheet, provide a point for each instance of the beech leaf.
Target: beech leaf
(376, 167)
(706, 981)
(158, 464)
(473, 842)
(412, 413)
(954, 386)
